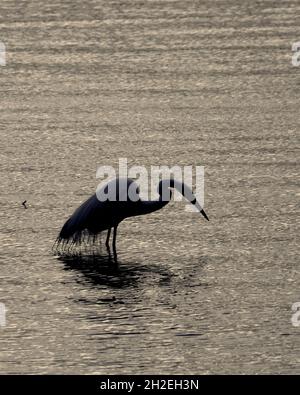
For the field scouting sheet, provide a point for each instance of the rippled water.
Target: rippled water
(160, 82)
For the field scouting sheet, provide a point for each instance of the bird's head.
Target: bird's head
(184, 189)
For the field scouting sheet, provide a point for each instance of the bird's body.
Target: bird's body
(95, 216)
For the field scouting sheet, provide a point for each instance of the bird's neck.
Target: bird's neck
(149, 206)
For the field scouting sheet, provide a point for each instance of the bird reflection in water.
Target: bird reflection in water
(107, 270)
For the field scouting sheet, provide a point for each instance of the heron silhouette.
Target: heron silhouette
(111, 204)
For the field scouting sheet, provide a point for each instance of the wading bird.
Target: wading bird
(111, 204)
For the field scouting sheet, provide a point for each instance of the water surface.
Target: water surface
(159, 82)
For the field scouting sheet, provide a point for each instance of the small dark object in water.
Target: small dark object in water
(24, 203)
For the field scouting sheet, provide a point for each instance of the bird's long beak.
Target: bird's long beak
(187, 192)
(204, 214)
(200, 209)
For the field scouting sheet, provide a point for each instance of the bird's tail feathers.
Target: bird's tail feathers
(81, 238)
(74, 232)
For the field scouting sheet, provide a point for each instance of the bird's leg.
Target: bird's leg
(107, 238)
(114, 239)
